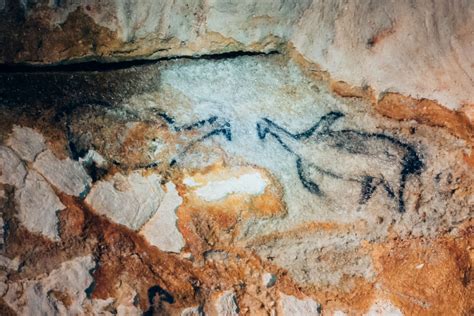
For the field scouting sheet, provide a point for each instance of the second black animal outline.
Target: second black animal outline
(411, 162)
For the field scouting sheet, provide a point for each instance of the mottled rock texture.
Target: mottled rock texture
(419, 48)
(249, 185)
(332, 176)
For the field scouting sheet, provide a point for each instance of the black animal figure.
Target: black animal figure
(371, 159)
(136, 139)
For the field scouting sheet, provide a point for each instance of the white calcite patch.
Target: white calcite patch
(251, 184)
(268, 279)
(291, 306)
(66, 175)
(26, 142)
(37, 206)
(385, 308)
(127, 200)
(226, 304)
(192, 311)
(39, 296)
(93, 157)
(161, 230)
(12, 169)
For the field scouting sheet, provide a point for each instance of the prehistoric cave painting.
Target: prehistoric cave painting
(371, 159)
(136, 140)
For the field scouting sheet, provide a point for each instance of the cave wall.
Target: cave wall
(236, 157)
(423, 49)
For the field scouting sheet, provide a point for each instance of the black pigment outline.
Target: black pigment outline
(411, 162)
(225, 129)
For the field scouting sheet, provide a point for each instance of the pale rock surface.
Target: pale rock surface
(161, 230)
(12, 169)
(37, 206)
(66, 175)
(226, 304)
(268, 279)
(93, 157)
(251, 184)
(382, 307)
(291, 305)
(423, 49)
(26, 142)
(10, 264)
(127, 200)
(128, 310)
(38, 296)
(192, 311)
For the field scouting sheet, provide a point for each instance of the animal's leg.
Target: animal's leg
(367, 189)
(307, 183)
(369, 186)
(401, 192)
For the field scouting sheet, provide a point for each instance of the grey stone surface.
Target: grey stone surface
(66, 175)
(37, 206)
(128, 200)
(291, 305)
(161, 230)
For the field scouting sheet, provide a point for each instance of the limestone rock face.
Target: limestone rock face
(293, 306)
(60, 292)
(330, 177)
(238, 186)
(66, 175)
(129, 201)
(421, 49)
(38, 205)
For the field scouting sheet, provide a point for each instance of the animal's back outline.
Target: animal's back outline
(225, 130)
(411, 162)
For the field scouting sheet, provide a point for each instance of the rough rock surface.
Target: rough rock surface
(291, 305)
(226, 304)
(66, 175)
(128, 200)
(60, 292)
(38, 205)
(162, 230)
(423, 49)
(249, 185)
(26, 142)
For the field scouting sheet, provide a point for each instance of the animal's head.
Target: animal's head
(263, 128)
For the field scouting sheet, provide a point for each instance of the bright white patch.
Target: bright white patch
(190, 182)
(66, 175)
(384, 308)
(27, 142)
(192, 311)
(161, 230)
(38, 204)
(291, 305)
(128, 200)
(226, 304)
(268, 279)
(93, 157)
(251, 183)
